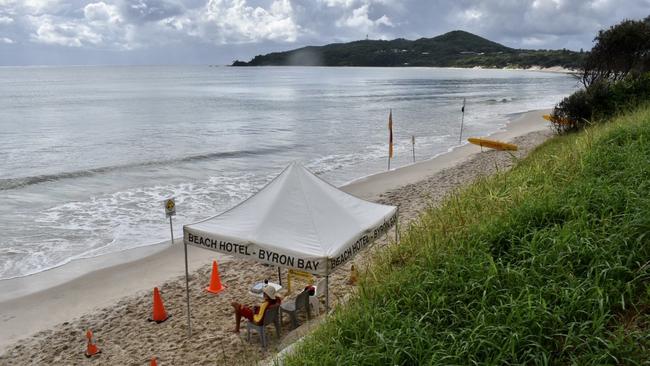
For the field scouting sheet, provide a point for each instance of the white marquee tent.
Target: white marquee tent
(296, 221)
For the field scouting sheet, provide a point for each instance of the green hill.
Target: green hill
(453, 49)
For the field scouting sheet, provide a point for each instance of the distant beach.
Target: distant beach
(43, 324)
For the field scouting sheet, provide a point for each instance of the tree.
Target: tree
(621, 50)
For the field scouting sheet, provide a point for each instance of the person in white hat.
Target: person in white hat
(255, 314)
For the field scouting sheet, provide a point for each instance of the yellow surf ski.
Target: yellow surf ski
(492, 144)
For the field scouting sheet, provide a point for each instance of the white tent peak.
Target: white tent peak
(297, 214)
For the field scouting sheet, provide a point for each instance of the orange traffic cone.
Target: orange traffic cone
(153, 362)
(159, 314)
(91, 348)
(215, 282)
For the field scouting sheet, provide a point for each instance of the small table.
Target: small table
(256, 289)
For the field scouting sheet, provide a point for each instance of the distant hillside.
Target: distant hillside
(453, 49)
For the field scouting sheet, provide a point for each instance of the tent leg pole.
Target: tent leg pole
(279, 276)
(187, 280)
(327, 294)
(397, 227)
(187, 291)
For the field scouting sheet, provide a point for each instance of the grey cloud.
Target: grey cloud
(218, 31)
(141, 11)
(343, 20)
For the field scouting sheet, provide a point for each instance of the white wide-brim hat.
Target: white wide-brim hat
(269, 291)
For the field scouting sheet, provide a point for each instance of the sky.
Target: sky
(81, 32)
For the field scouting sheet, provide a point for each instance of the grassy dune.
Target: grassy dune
(546, 264)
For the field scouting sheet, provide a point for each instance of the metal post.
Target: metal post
(413, 143)
(279, 276)
(327, 294)
(397, 226)
(462, 120)
(187, 281)
(171, 229)
(390, 136)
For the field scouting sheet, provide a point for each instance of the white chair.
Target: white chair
(313, 300)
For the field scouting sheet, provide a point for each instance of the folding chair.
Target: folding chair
(270, 317)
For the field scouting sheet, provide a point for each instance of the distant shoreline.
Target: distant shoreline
(554, 69)
(537, 68)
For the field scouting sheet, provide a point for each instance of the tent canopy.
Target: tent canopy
(296, 221)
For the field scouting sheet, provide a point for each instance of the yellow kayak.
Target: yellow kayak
(492, 144)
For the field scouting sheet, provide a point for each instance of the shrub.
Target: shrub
(621, 50)
(616, 76)
(629, 93)
(600, 101)
(580, 108)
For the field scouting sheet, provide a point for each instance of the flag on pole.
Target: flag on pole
(462, 120)
(390, 134)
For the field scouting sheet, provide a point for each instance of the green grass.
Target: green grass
(546, 264)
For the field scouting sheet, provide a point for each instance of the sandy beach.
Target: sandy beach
(44, 317)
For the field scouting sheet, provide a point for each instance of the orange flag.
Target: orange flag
(390, 134)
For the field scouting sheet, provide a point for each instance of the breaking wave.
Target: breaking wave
(13, 183)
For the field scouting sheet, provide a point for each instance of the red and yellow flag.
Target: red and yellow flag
(390, 134)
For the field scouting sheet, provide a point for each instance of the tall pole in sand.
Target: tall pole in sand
(170, 210)
(187, 287)
(390, 137)
(413, 144)
(462, 120)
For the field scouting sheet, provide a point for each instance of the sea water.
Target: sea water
(88, 154)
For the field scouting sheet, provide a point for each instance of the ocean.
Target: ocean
(88, 154)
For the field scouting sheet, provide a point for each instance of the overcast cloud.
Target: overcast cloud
(219, 31)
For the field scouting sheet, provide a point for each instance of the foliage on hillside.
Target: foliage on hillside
(546, 264)
(601, 101)
(616, 76)
(622, 50)
(453, 49)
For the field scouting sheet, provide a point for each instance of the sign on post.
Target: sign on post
(170, 207)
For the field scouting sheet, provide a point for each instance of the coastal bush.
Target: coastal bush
(615, 74)
(581, 108)
(601, 101)
(622, 50)
(629, 93)
(546, 264)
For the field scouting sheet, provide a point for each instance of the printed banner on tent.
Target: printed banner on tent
(362, 242)
(260, 253)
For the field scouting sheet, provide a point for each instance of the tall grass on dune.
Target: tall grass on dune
(546, 264)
